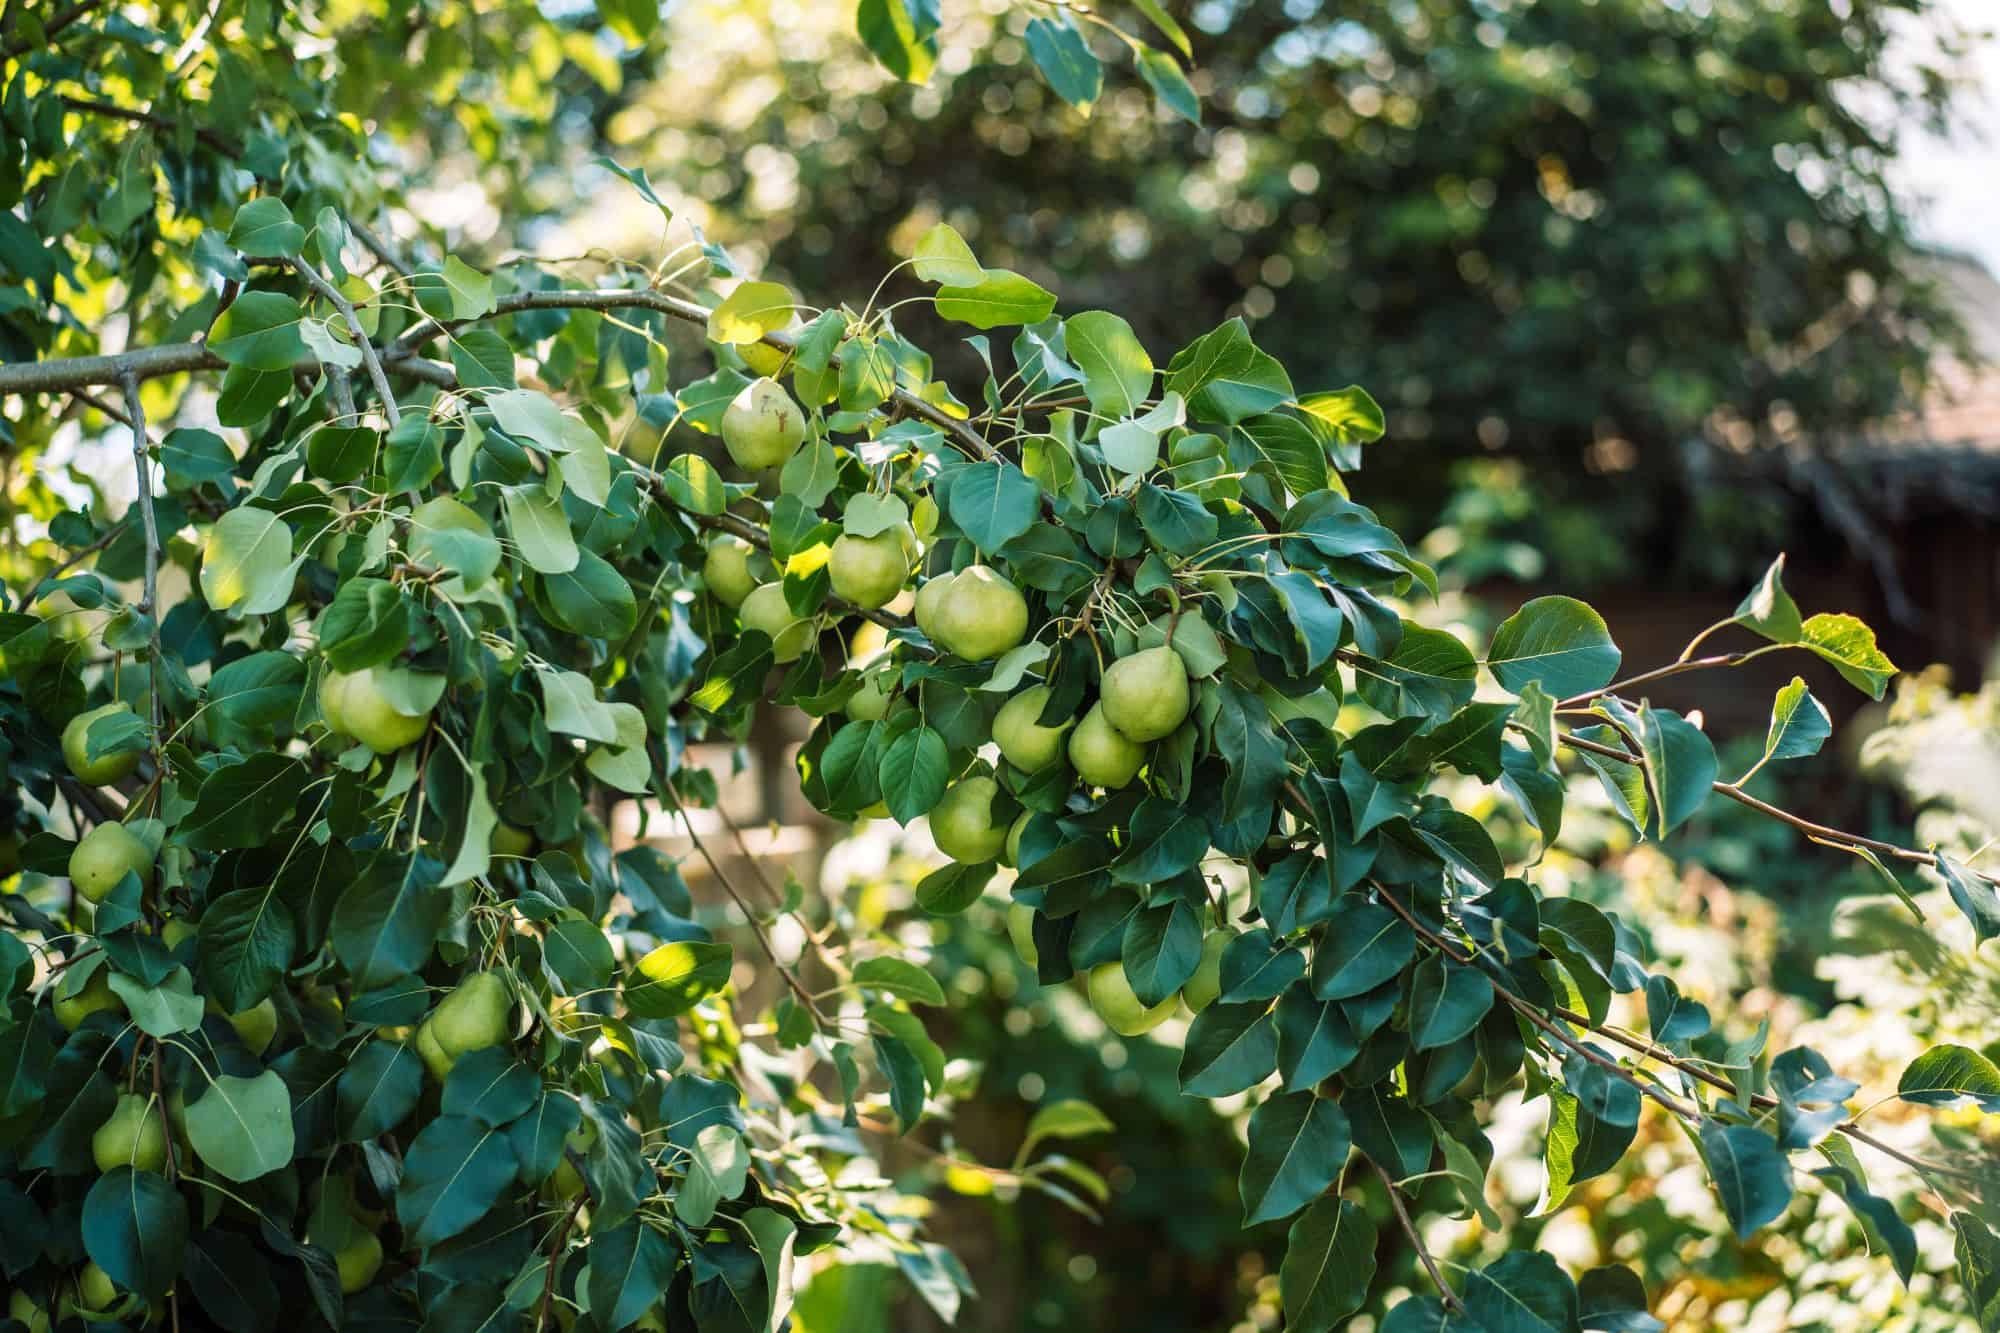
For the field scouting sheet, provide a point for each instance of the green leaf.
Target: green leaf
(1298, 1145)
(1161, 950)
(1166, 24)
(1344, 416)
(1680, 766)
(241, 1128)
(378, 1090)
(1230, 1048)
(1522, 1292)
(1117, 373)
(259, 331)
(1769, 610)
(1884, 1227)
(240, 803)
(1944, 1074)
(579, 954)
(539, 529)
(413, 455)
(900, 1066)
(247, 937)
(994, 503)
(490, 1086)
(1227, 378)
(1065, 60)
(482, 359)
(1165, 839)
(1067, 1118)
(135, 1227)
(913, 773)
(1177, 522)
(1751, 1175)
(717, 1167)
(998, 297)
(942, 256)
(192, 457)
(1430, 674)
(1447, 1000)
(386, 921)
(1171, 86)
(751, 311)
(1611, 1299)
(263, 229)
(675, 977)
(1372, 945)
(246, 563)
(1328, 1266)
(1978, 1252)
(592, 599)
(887, 30)
(456, 1170)
(896, 976)
(1850, 646)
(1799, 724)
(366, 624)
(1558, 643)
(471, 292)
(163, 1010)
(630, 1267)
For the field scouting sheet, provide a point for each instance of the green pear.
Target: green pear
(1206, 983)
(870, 703)
(1028, 745)
(95, 1290)
(762, 426)
(726, 568)
(21, 1306)
(108, 768)
(982, 615)
(869, 571)
(1012, 855)
(962, 822)
(255, 1026)
(435, 1057)
(358, 1261)
(566, 1182)
(103, 855)
(766, 609)
(930, 602)
(1111, 995)
(1145, 695)
(508, 840)
(355, 704)
(477, 1014)
(1021, 930)
(95, 997)
(1101, 754)
(132, 1135)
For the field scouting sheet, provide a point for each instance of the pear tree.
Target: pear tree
(336, 991)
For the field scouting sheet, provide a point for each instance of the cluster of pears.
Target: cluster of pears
(356, 705)
(96, 1300)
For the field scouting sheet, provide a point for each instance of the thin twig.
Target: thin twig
(369, 359)
(555, 1253)
(52, 27)
(798, 988)
(1661, 673)
(377, 246)
(1741, 797)
(1445, 1293)
(219, 143)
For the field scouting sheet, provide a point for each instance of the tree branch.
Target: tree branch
(166, 124)
(52, 27)
(689, 311)
(1822, 832)
(1403, 1218)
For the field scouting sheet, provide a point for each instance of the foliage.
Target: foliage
(1657, 223)
(440, 575)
